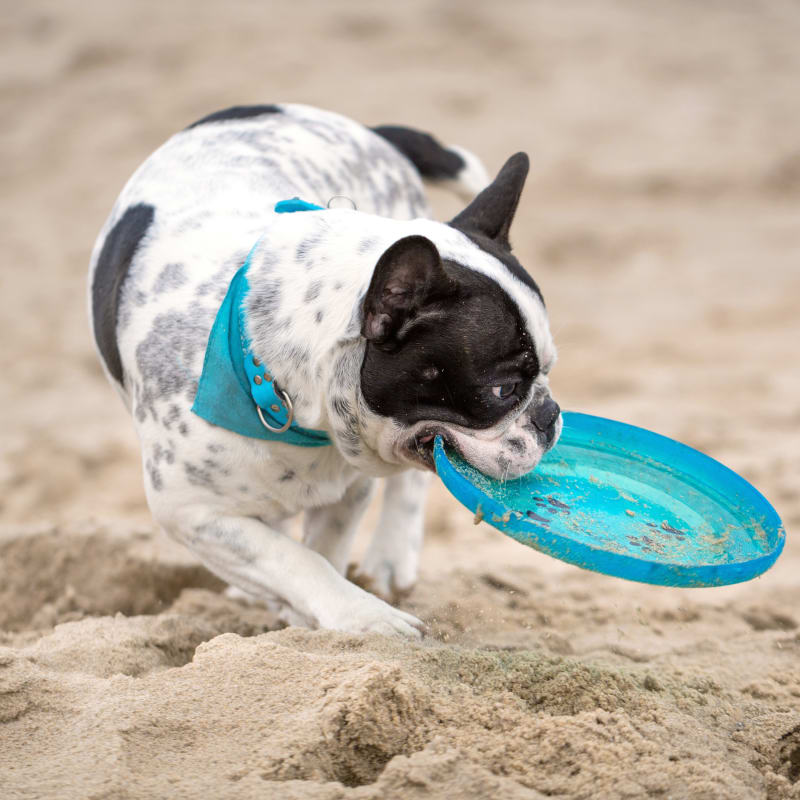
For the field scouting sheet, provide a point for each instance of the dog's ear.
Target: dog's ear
(408, 279)
(490, 214)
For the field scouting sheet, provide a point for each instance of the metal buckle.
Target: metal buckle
(341, 197)
(290, 408)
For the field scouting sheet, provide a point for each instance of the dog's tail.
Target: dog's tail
(452, 167)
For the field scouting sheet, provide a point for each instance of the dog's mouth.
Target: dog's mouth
(419, 447)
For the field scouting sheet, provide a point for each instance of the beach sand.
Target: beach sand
(662, 221)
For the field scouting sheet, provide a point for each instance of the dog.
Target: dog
(366, 329)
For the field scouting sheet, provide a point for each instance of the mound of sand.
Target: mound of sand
(142, 680)
(661, 220)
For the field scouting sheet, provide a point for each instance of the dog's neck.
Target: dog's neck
(308, 278)
(308, 275)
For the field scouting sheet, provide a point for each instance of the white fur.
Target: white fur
(225, 496)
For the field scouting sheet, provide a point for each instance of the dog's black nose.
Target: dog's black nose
(545, 415)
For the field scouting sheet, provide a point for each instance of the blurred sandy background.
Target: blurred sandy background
(662, 221)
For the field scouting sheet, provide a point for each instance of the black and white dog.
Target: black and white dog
(378, 327)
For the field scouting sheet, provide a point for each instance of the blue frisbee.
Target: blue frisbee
(627, 502)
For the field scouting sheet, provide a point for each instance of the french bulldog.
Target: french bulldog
(375, 326)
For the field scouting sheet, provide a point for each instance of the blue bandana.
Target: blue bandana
(236, 391)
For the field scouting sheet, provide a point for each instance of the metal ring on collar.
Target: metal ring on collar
(342, 197)
(290, 408)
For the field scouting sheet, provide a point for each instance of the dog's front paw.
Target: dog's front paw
(368, 614)
(385, 575)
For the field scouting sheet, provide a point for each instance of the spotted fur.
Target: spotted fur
(157, 280)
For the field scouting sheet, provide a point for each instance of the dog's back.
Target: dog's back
(184, 226)
(198, 203)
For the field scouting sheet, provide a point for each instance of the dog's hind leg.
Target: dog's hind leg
(391, 563)
(329, 530)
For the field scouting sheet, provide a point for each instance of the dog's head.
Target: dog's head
(458, 342)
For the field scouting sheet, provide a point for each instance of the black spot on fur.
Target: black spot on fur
(516, 444)
(318, 317)
(346, 425)
(266, 298)
(199, 476)
(351, 447)
(154, 474)
(159, 453)
(423, 151)
(342, 407)
(287, 476)
(312, 293)
(113, 264)
(171, 277)
(306, 247)
(166, 355)
(215, 466)
(236, 112)
(298, 356)
(172, 416)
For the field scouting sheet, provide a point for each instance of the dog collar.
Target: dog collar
(236, 390)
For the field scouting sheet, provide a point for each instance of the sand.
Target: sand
(662, 221)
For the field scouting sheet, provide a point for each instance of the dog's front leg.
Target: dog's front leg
(264, 562)
(329, 530)
(391, 562)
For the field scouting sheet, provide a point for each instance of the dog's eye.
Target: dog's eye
(504, 390)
